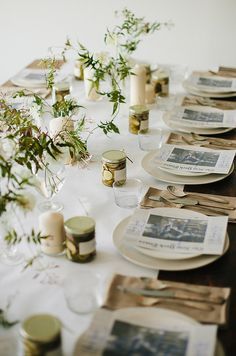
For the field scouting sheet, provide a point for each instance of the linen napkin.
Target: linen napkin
(147, 203)
(208, 142)
(203, 303)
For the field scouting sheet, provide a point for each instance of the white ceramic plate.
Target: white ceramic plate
(180, 173)
(30, 78)
(196, 130)
(175, 213)
(195, 91)
(133, 255)
(159, 174)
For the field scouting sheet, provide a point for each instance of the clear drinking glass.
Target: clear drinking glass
(150, 140)
(82, 290)
(128, 195)
(51, 180)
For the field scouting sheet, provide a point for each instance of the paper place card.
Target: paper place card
(167, 233)
(203, 117)
(193, 159)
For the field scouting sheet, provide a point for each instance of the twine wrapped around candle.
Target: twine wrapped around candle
(137, 85)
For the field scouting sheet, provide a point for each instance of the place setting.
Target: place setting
(171, 239)
(188, 164)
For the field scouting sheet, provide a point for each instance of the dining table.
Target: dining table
(38, 285)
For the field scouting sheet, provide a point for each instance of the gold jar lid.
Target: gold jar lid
(138, 109)
(41, 328)
(114, 156)
(159, 74)
(61, 86)
(79, 225)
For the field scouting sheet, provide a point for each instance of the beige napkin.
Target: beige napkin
(148, 203)
(219, 104)
(9, 88)
(187, 139)
(209, 304)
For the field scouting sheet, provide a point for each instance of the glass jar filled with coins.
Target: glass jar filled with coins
(113, 167)
(138, 119)
(80, 239)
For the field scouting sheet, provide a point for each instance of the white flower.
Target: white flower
(7, 148)
(26, 201)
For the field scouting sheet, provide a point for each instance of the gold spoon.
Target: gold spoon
(179, 193)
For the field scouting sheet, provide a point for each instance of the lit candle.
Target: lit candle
(59, 124)
(150, 94)
(137, 85)
(51, 224)
(90, 91)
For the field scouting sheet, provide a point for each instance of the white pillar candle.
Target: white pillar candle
(150, 94)
(137, 85)
(51, 224)
(90, 91)
(59, 124)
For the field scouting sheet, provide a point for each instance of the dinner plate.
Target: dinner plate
(197, 130)
(195, 91)
(30, 78)
(151, 318)
(181, 173)
(159, 174)
(175, 213)
(133, 255)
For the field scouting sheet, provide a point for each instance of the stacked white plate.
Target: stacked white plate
(212, 86)
(158, 260)
(171, 120)
(177, 177)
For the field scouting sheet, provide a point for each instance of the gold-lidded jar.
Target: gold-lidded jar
(60, 90)
(41, 335)
(80, 239)
(138, 119)
(113, 167)
(79, 70)
(160, 80)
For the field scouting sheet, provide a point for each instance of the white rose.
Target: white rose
(26, 201)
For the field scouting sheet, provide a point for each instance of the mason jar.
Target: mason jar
(138, 119)
(41, 335)
(160, 80)
(113, 167)
(60, 90)
(80, 239)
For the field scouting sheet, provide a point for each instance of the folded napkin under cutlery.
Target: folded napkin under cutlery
(156, 198)
(201, 141)
(203, 303)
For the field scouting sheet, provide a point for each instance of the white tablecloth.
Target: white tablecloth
(34, 291)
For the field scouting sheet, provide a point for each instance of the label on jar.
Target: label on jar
(87, 247)
(144, 125)
(120, 175)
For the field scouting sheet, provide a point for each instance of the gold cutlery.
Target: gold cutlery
(193, 305)
(180, 203)
(179, 193)
(158, 285)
